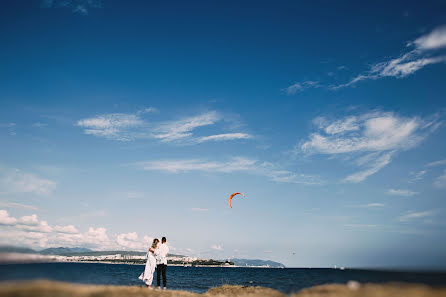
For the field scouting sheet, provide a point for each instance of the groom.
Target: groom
(161, 263)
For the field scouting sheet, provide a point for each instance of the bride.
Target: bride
(147, 275)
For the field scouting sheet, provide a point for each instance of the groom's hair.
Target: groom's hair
(163, 239)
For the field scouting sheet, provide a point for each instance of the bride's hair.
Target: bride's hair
(155, 242)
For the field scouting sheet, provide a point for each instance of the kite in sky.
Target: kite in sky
(232, 195)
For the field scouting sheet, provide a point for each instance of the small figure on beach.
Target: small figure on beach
(161, 263)
(152, 254)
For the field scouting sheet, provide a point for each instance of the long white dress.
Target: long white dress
(147, 275)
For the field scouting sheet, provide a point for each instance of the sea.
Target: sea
(200, 279)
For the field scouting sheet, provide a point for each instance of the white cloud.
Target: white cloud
(29, 231)
(415, 215)
(372, 138)
(374, 167)
(372, 132)
(418, 176)
(131, 241)
(96, 235)
(402, 67)
(434, 40)
(226, 136)
(440, 182)
(29, 220)
(19, 182)
(5, 219)
(235, 164)
(175, 166)
(217, 247)
(300, 86)
(180, 129)
(39, 125)
(371, 205)
(342, 126)
(128, 127)
(69, 229)
(408, 63)
(40, 227)
(112, 126)
(401, 192)
(437, 163)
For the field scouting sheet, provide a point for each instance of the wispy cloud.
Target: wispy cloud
(440, 182)
(437, 163)
(401, 192)
(16, 181)
(81, 7)
(128, 127)
(374, 166)
(372, 205)
(180, 129)
(39, 125)
(422, 54)
(372, 138)
(415, 215)
(235, 164)
(10, 127)
(300, 86)
(222, 137)
(114, 126)
(417, 176)
(6, 204)
(425, 50)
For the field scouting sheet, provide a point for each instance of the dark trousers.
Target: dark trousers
(161, 269)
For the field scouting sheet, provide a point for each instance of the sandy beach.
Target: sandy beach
(42, 288)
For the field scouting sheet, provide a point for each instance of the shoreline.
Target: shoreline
(128, 263)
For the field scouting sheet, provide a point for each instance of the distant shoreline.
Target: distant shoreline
(22, 258)
(129, 263)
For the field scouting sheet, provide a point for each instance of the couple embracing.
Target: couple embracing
(156, 257)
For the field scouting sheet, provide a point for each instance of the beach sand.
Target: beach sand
(43, 288)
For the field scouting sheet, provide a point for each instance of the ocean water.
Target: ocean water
(200, 279)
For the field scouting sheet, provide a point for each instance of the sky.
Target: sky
(122, 121)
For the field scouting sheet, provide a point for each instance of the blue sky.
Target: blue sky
(125, 121)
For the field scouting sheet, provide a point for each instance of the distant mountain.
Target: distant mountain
(257, 262)
(15, 249)
(63, 251)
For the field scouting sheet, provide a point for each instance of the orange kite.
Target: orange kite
(232, 195)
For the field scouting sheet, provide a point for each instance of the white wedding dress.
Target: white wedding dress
(147, 275)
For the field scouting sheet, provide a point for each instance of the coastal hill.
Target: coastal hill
(63, 251)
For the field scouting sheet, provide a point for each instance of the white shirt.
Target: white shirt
(163, 251)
